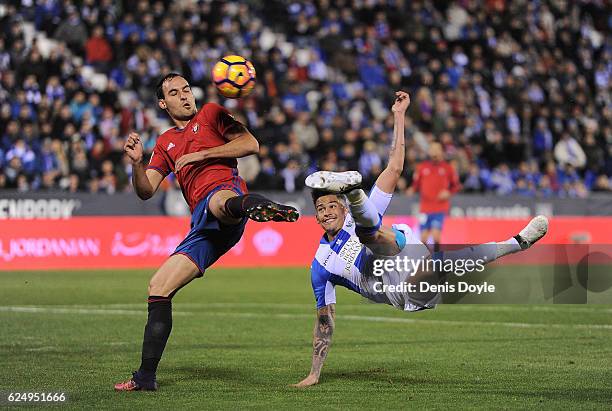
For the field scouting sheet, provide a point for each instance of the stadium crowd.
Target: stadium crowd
(518, 92)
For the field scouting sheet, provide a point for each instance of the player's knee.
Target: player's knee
(158, 288)
(217, 207)
(153, 289)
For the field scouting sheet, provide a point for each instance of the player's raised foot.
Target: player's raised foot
(536, 229)
(132, 385)
(334, 182)
(271, 211)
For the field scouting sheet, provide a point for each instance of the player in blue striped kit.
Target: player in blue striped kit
(355, 238)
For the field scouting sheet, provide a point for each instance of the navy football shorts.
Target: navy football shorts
(208, 239)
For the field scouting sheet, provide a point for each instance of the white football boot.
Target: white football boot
(536, 229)
(333, 182)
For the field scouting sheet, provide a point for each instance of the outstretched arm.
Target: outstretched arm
(323, 330)
(388, 179)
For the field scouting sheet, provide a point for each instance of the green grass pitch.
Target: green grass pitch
(240, 337)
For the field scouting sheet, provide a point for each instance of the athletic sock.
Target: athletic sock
(157, 331)
(237, 206)
(363, 210)
(487, 252)
(509, 246)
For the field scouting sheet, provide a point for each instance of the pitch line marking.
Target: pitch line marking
(46, 348)
(349, 317)
(74, 310)
(558, 308)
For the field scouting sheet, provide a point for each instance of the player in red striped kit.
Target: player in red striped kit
(201, 150)
(435, 180)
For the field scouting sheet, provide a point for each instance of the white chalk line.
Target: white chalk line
(565, 308)
(76, 310)
(378, 319)
(46, 348)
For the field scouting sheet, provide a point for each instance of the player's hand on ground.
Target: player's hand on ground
(306, 382)
(133, 148)
(402, 101)
(188, 159)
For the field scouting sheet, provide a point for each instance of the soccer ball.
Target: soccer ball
(234, 76)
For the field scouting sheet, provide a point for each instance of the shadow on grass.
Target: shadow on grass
(226, 346)
(204, 373)
(384, 375)
(414, 342)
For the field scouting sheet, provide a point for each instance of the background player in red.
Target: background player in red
(435, 180)
(201, 150)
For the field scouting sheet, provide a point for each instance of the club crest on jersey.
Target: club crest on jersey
(196, 128)
(170, 146)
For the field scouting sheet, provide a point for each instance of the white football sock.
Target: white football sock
(364, 212)
(509, 246)
(487, 252)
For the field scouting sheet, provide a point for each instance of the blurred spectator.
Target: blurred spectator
(369, 159)
(73, 183)
(542, 138)
(306, 131)
(602, 184)
(97, 50)
(108, 179)
(22, 183)
(544, 187)
(568, 151)
(268, 178)
(293, 177)
(525, 188)
(72, 31)
(594, 153)
(249, 168)
(473, 182)
(501, 180)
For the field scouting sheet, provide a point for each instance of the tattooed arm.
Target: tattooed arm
(389, 177)
(323, 330)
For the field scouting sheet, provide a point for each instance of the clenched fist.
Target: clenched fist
(402, 101)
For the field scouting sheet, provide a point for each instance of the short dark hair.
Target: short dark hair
(316, 194)
(159, 91)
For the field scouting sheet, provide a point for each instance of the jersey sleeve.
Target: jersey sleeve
(220, 119)
(380, 199)
(159, 161)
(324, 290)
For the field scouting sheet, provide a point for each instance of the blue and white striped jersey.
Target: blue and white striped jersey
(345, 261)
(338, 263)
